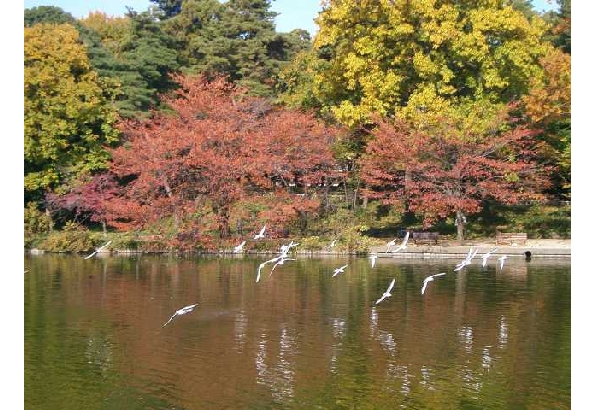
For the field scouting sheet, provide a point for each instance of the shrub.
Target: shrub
(311, 243)
(72, 238)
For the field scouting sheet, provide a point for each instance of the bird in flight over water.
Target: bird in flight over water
(466, 261)
(429, 279)
(486, 256)
(387, 292)
(183, 311)
(403, 245)
(390, 244)
(280, 261)
(339, 270)
(98, 250)
(373, 260)
(502, 260)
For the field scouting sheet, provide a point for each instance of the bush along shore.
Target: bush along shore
(547, 230)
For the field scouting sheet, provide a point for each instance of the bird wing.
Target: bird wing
(261, 266)
(439, 274)
(187, 309)
(380, 299)
(373, 260)
(391, 285)
(171, 318)
(405, 239)
(109, 242)
(474, 254)
(90, 256)
(423, 287)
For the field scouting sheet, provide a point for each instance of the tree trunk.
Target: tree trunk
(355, 197)
(51, 221)
(460, 221)
(104, 228)
(171, 196)
(239, 226)
(223, 220)
(303, 222)
(325, 201)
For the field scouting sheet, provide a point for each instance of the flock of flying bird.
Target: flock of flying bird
(283, 257)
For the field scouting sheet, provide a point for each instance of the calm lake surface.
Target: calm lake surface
(478, 339)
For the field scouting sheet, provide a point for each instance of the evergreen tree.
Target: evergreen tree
(236, 38)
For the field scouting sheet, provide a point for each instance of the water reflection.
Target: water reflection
(260, 364)
(240, 326)
(283, 388)
(299, 340)
(503, 332)
(426, 374)
(466, 338)
(99, 353)
(486, 358)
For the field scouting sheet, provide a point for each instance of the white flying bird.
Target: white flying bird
(466, 261)
(390, 244)
(429, 279)
(261, 234)
(373, 260)
(280, 261)
(183, 311)
(262, 265)
(486, 256)
(403, 245)
(339, 270)
(502, 260)
(238, 248)
(286, 248)
(98, 250)
(387, 292)
(332, 244)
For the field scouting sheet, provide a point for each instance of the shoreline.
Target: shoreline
(540, 248)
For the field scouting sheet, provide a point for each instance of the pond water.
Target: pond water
(300, 338)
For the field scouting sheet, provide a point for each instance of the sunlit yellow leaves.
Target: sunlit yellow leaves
(549, 98)
(421, 58)
(67, 114)
(112, 30)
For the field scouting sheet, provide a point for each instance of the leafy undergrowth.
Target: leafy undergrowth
(354, 232)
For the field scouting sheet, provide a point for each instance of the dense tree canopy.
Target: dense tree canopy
(225, 117)
(219, 147)
(68, 112)
(439, 173)
(423, 59)
(236, 38)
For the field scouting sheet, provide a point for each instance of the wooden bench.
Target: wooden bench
(429, 237)
(510, 238)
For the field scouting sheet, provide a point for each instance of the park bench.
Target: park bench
(510, 238)
(429, 237)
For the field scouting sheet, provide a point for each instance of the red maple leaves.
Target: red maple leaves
(442, 173)
(217, 147)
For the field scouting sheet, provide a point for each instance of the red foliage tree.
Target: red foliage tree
(218, 147)
(443, 173)
(88, 198)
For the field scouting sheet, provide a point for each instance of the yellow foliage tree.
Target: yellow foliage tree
(68, 115)
(425, 59)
